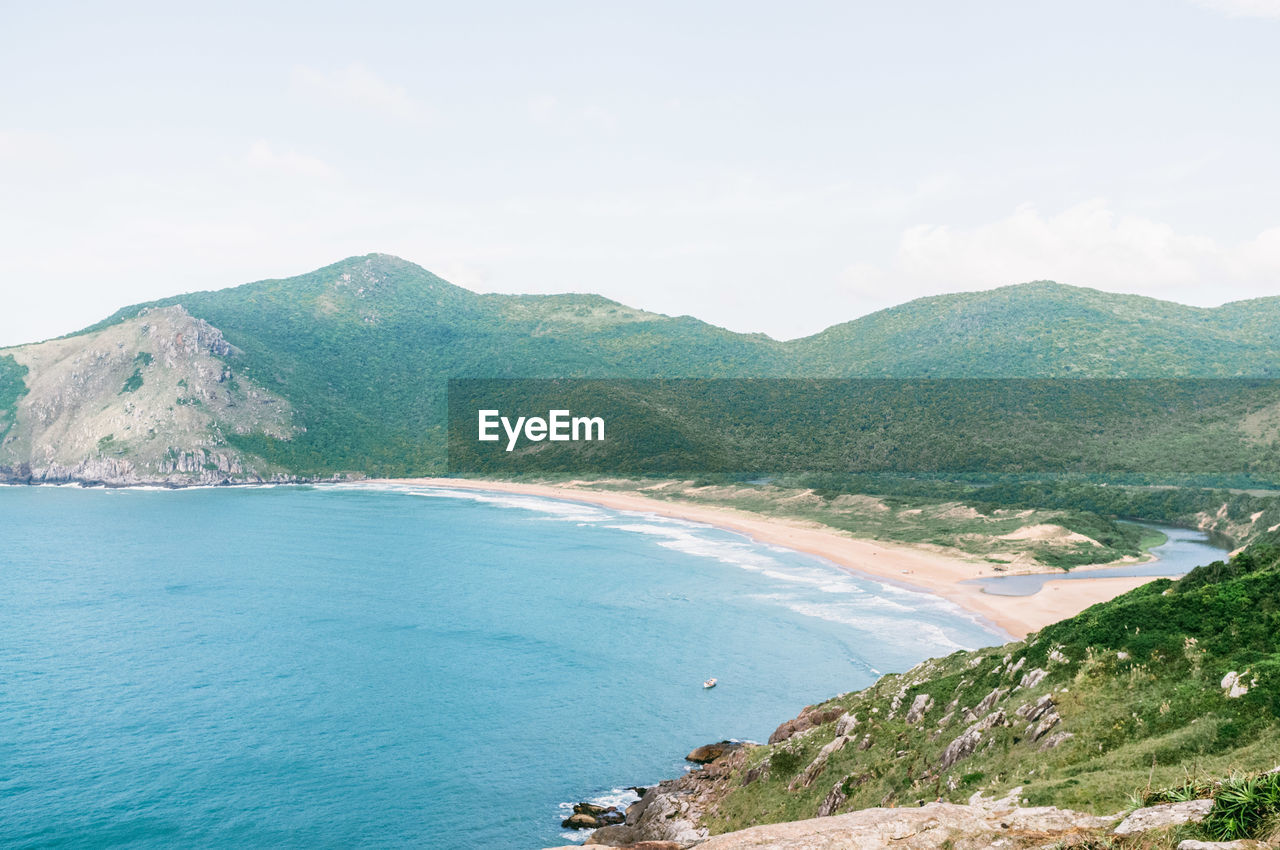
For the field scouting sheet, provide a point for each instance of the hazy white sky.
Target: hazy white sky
(769, 167)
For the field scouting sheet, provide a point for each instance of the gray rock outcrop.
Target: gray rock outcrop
(929, 827)
(1164, 815)
(919, 708)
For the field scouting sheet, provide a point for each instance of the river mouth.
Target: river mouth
(1183, 551)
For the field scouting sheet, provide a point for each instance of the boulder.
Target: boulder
(819, 763)
(960, 748)
(1234, 685)
(1246, 844)
(710, 752)
(1055, 739)
(929, 827)
(919, 707)
(614, 836)
(588, 809)
(762, 769)
(1164, 815)
(1031, 712)
(580, 821)
(834, 800)
(636, 845)
(1033, 678)
(963, 746)
(812, 716)
(989, 701)
(1046, 723)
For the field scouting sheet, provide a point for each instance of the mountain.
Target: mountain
(354, 358)
(147, 398)
(1046, 329)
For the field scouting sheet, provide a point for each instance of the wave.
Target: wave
(895, 630)
(557, 508)
(617, 797)
(855, 600)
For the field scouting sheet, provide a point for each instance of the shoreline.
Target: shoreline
(900, 564)
(914, 567)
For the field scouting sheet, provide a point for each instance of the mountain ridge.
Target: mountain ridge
(360, 349)
(1034, 286)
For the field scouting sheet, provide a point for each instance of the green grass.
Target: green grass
(1245, 807)
(1151, 538)
(13, 386)
(986, 532)
(133, 383)
(1135, 681)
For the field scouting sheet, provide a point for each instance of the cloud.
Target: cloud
(263, 157)
(549, 111)
(1258, 258)
(542, 108)
(356, 85)
(27, 149)
(1243, 8)
(1088, 244)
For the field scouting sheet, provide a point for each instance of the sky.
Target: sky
(767, 167)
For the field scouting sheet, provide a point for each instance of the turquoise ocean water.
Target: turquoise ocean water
(408, 667)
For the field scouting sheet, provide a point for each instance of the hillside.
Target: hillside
(359, 353)
(1046, 329)
(1159, 695)
(362, 350)
(150, 397)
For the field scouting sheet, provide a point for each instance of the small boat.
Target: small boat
(710, 683)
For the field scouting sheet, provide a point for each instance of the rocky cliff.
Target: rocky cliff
(153, 399)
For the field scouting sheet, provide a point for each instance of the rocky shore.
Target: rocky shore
(217, 471)
(673, 815)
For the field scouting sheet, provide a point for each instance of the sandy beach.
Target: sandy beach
(925, 570)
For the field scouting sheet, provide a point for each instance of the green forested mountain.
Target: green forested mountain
(1046, 329)
(363, 348)
(360, 352)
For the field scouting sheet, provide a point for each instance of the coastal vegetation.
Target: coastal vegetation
(1169, 692)
(1007, 538)
(12, 388)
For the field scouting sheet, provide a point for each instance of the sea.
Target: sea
(353, 666)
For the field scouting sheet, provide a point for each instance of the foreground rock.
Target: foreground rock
(1165, 815)
(929, 827)
(640, 845)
